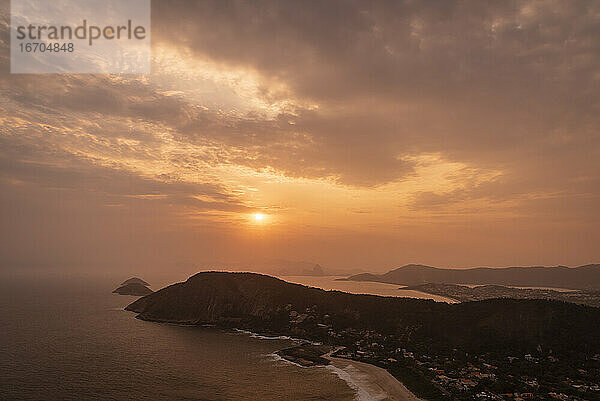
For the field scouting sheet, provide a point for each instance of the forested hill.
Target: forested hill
(266, 304)
(582, 277)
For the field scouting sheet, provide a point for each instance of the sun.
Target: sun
(259, 219)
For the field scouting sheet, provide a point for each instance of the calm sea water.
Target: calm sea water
(69, 339)
(363, 287)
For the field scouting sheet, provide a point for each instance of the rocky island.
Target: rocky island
(135, 280)
(438, 350)
(134, 286)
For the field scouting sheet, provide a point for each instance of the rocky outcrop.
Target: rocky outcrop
(133, 289)
(135, 280)
(306, 354)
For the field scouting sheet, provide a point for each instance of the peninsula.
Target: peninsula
(437, 350)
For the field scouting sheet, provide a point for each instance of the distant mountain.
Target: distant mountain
(136, 289)
(269, 305)
(282, 267)
(317, 270)
(135, 280)
(289, 268)
(582, 277)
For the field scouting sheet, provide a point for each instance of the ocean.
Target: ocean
(68, 338)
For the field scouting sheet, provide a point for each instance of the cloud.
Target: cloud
(354, 94)
(479, 83)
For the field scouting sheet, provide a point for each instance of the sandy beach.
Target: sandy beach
(370, 382)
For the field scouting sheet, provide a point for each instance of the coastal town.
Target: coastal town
(464, 293)
(441, 373)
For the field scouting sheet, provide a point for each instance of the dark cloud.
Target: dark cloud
(477, 81)
(480, 83)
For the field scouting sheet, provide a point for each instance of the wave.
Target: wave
(263, 337)
(361, 393)
(278, 358)
(355, 383)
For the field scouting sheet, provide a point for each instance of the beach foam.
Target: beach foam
(353, 379)
(370, 382)
(361, 393)
(263, 337)
(278, 358)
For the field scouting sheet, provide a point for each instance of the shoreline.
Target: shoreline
(370, 382)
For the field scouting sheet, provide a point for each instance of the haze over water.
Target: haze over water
(69, 339)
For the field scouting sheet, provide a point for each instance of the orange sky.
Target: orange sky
(369, 135)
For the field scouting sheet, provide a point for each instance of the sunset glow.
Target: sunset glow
(400, 143)
(405, 195)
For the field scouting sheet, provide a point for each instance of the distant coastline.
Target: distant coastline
(466, 293)
(412, 339)
(586, 277)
